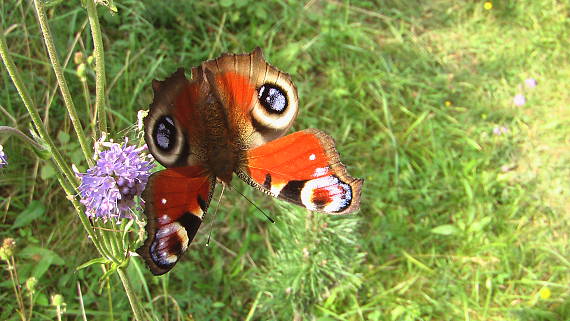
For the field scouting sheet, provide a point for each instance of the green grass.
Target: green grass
(456, 223)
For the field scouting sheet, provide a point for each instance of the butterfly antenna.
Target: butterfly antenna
(215, 212)
(252, 203)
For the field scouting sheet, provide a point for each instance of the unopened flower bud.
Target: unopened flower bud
(31, 284)
(57, 299)
(78, 58)
(81, 71)
(8, 245)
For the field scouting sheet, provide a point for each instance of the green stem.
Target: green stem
(86, 98)
(110, 297)
(100, 81)
(62, 166)
(68, 101)
(102, 236)
(19, 134)
(133, 300)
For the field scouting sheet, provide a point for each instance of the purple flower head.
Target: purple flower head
(500, 130)
(3, 157)
(108, 189)
(530, 82)
(519, 100)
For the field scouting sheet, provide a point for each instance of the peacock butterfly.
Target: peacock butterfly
(230, 118)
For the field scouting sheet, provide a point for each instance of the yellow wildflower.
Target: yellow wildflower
(544, 293)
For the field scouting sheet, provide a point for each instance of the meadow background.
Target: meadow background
(465, 207)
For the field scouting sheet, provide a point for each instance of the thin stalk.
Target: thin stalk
(62, 166)
(58, 70)
(58, 312)
(109, 243)
(102, 236)
(19, 134)
(86, 98)
(16, 285)
(116, 237)
(81, 305)
(110, 298)
(133, 300)
(31, 308)
(100, 81)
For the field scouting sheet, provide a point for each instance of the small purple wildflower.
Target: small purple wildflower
(519, 100)
(530, 82)
(108, 189)
(3, 157)
(500, 130)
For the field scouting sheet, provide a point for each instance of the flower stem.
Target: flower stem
(133, 300)
(19, 134)
(62, 166)
(99, 65)
(68, 101)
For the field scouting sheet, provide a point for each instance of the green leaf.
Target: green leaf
(446, 229)
(42, 300)
(32, 212)
(479, 225)
(63, 137)
(47, 172)
(99, 260)
(45, 258)
(218, 304)
(226, 3)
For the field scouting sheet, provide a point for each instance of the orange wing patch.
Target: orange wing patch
(304, 168)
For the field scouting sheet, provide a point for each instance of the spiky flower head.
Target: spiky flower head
(500, 130)
(519, 100)
(3, 157)
(109, 188)
(530, 82)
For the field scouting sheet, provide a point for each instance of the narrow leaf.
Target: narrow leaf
(32, 212)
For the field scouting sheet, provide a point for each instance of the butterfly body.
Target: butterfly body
(230, 118)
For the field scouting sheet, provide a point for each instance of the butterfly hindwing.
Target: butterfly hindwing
(304, 168)
(176, 200)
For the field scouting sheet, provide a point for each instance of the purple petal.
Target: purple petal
(519, 100)
(530, 82)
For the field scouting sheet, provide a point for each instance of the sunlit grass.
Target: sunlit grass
(457, 222)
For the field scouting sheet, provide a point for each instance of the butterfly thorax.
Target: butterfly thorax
(222, 154)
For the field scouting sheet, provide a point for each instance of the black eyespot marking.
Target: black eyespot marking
(273, 98)
(164, 133)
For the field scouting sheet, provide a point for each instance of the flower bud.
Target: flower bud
(78, 58)
(81, 71)
(8, 246)
(31, 284)
(57, 300)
